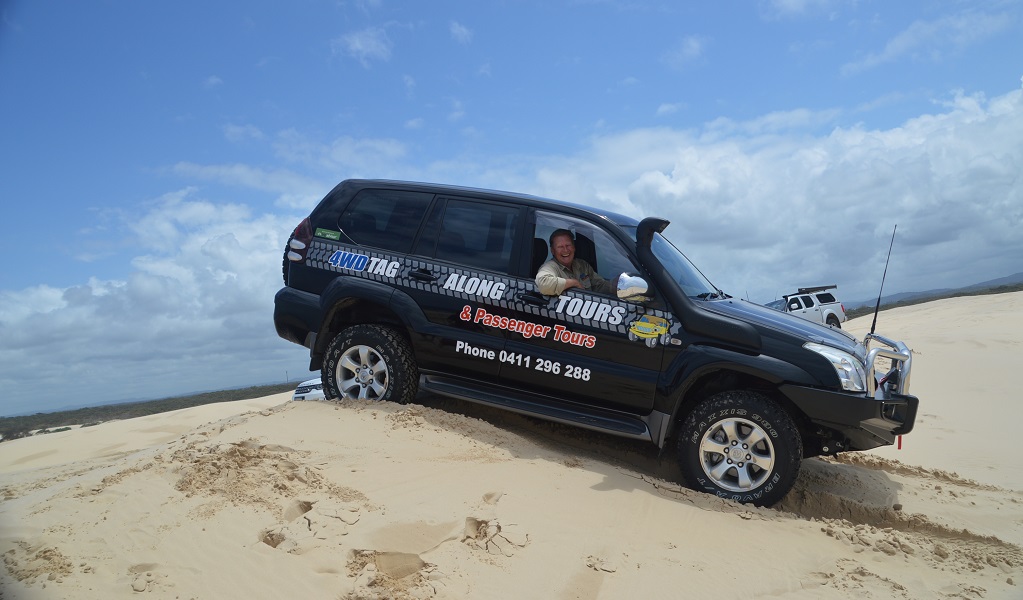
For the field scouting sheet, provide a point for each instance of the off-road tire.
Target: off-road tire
(833, 321)
(370, 362)
(742, 446)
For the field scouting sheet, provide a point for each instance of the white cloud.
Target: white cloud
(685, 52)
(669, 108)
(212, 81)
(932, 40)
(350, 154)
(457, 111)
(460, 33)
(365, 46)
(199, 294)
(240, 133)
(761, 206)
(764, 205)
(774, 122)
(790, 8)
(295, 191)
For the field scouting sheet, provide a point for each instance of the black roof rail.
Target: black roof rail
(819, 288)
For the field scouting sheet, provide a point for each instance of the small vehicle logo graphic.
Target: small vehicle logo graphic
(650, 328)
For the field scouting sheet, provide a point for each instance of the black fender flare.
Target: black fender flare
(343, 290)
(701, 360)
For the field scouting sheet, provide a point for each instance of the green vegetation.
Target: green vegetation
(17, 427)
(1001, 289)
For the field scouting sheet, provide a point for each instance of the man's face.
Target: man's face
(563, 250)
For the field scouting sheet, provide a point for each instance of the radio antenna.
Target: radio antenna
(877, 306)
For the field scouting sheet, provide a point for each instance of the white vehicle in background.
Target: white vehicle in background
(813, 304)
(311, 389)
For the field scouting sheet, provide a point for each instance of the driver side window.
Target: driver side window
(592, 245)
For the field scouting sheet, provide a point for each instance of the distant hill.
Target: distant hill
(1002, 285)
(20, 426)
(917, 297)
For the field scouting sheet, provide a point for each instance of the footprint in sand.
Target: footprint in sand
(388, 574)
(144, 577)
(309, 524)
(600, 564)
(485, 531)
(489, 535)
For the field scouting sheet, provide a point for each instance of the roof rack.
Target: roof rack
(819, 288)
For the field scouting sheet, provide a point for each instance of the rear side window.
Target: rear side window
(478, 234)
(807, 301)
(825, 298)
(385, 219)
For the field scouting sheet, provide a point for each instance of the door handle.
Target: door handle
(531, 298)
(423, 275)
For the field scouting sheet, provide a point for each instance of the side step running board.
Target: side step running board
(615, 423)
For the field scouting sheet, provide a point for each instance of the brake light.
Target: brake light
(300, 240)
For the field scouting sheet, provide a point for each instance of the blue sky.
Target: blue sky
(155, 156)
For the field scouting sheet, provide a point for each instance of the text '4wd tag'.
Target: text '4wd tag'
(361, 262)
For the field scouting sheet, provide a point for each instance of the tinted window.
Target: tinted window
(807, 301)
(385, 219)
(825, 298)
(477, 234)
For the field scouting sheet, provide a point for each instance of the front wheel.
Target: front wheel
(742, 446)
(370, 362)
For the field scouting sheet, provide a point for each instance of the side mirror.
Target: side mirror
(794, 305)
(632, 288)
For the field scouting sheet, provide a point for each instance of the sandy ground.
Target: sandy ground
(270, 498)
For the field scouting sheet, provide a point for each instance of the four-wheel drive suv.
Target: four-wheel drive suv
(396, 287)
(815, 304)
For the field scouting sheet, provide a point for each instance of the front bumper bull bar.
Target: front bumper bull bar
(897, 379)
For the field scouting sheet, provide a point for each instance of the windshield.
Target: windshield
(688, 277)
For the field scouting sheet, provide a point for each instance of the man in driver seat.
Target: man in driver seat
(565, 271)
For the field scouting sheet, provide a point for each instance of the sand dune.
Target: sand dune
(270, 498)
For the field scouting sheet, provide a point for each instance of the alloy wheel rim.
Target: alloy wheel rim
(361, 374)
(737, 454)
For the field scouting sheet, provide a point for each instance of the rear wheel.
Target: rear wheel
(742, 446)
(833, 321)
(370, 362)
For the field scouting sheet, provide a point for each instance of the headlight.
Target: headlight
(850, 371)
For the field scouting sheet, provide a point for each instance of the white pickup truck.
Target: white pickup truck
(813, 304)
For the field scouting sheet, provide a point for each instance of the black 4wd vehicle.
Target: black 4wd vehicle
(397, 287)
